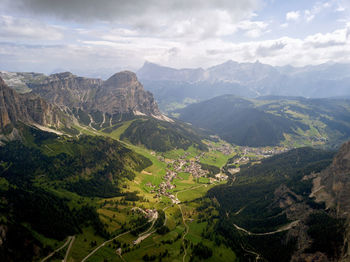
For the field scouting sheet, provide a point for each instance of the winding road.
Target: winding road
(103, 244)
(284, 228)
(59, 249)
(69, 248)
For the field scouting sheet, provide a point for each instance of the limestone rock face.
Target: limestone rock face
(66, 89)
(28, 109)
(121, 93)
(11, 106)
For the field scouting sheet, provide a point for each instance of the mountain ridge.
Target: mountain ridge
(272, 120)
(118, 98)
(243, 79)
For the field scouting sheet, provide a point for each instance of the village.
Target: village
(180, 165)
(191, 165)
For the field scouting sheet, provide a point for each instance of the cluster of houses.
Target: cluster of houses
(224, 148)
(195, 169)
(265, 151)
(148, 213)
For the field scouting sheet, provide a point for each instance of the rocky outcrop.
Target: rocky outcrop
(66, 89)
(11, 109)
(121, 94)
(28, 109)
(332, 186)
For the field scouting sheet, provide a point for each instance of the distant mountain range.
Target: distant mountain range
(175, 88)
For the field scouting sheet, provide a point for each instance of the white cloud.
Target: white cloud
(171, 33)
(27, 29)
(253, 29)
(339, 37)
(180, 18)
(129, 52)
(293, 16)
(316, 9)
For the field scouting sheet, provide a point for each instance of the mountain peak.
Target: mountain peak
(230, 62)
(63, 75)
(119, 79)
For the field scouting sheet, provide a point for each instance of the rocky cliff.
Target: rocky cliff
(66, 89)
(332, 186)
(28, 109)
(121, 94)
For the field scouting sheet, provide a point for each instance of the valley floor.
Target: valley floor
(161, 216)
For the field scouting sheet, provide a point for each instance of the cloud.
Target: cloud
(337, 38)
(270, 49)
(27, 29)
(122, 34)
(129, 52)
(316, 9)
(253, 29)
(293, 16)
(151, 16)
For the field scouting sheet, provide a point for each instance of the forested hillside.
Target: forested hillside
(272, 120)
(36, 178)
(267, 207)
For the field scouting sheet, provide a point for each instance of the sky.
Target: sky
(96, 37)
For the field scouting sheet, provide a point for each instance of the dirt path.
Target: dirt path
(284, 228)
(58, 249)
(147, 233)
(183, 220)
(186, 232)
(239, 211)
(103, 244)
(69, 248)
(104, 120)
(257, 256)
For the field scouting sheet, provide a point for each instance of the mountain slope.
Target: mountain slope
(272, 120)
(268, 207)
(332, 187)
(47, 186)
(162, 136)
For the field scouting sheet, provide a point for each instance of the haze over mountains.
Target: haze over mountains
(177, 87)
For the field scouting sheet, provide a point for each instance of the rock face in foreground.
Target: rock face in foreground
(28, 109)
(333, 188)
